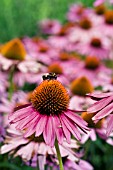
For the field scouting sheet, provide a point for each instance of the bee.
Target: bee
(49, 76)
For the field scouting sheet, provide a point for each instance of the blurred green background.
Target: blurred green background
(20, 17)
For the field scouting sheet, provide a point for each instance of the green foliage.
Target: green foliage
(19, 17)
(99, 154)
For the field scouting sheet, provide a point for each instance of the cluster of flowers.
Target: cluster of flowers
(57, 106)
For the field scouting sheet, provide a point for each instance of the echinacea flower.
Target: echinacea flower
(48, 113)
(17, 145)
(75, 12)
(13, 49)
(106, 24)
(95, 45)
(81, 86)
(100, 10)
(102, 108)
(48, 26)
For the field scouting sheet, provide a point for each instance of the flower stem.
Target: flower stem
(10, 91)
(59, 155)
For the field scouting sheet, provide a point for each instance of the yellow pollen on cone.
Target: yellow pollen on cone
(50, 97)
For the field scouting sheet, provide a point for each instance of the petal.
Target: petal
(76, 118)
(100, 104)
(58, 129)
(20, 114)
(26, 122)
(99, 96)
(71, 127)
(109, 125)
(31, 127)
(49, 132)
(104, 112)
(41, 124)
(66, 131)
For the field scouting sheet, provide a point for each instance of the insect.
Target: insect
(49, 76)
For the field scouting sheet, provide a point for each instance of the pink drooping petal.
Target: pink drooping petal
(99, 96)
(41, 125)
(25, 123)
(76, 118)
(20, 114)
(104, 112)
(99, 105)
(8, 147)
(21, 107)
(31, 127)
(109, 125)
(58, 129)
(65, 130)
(49, 133)
(71, 127)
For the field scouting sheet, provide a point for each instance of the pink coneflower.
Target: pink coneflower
(18, 98)
(75, 12)
(91, 68)
(95, 46)
(59, 41)
(83, 30)
(48, 26)
(48, 113)
(16, 144)
(107, 23)
(102, 108)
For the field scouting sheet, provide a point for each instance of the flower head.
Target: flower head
(85, 23)
(92, 62)
(48, 113)
(55, 68)
(13, 49)
(100, 10)
(81, 86)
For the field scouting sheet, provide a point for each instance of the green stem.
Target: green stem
(59, 155)
(11, 87)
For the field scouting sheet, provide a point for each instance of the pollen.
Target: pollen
(92, 62)
(14, 50)
(88, 118)
(55, 68)
(81, 86)
(96, 42)
(85, 23)
(100, 10)
(50, 98)
(109, 17)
